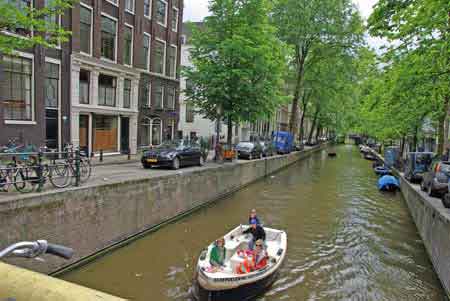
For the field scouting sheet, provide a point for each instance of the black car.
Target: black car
(173, 154)
(417, 164)
(267, 148)
(435, 180)
(249, 150)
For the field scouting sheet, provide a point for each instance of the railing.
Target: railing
(31, 171)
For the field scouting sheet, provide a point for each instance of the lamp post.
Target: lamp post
(219, 113)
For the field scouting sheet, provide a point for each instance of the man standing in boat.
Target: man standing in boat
(257, 232)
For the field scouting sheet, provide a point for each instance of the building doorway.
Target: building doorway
(84, 134)
(124, 135)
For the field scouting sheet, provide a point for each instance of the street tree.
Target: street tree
(238, 63)
(33, 25)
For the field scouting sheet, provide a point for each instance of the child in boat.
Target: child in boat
(217, 257)
(253, 217)
(259, 255)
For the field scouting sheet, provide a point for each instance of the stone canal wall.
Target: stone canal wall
(94, 218)
(432, 220)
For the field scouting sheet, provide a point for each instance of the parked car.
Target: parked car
(417, 163)
(249, 150)
(435, 180)
(267, 148)
(284, 142)
(173, 154)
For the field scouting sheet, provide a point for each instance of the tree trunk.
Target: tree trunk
(416, 130)
(402, 146)
(318, 132)
(298, 89)
(230, 132)
(302, 120)
(311, 132)
(441, 127)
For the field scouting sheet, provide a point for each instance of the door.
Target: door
(124, 135)
(84, 134)
(51, 129)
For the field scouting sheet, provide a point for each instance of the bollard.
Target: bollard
(129, 154)
(77, 168)
(40, 173)
(101, 155)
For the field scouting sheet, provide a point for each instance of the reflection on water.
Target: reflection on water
(346, 240)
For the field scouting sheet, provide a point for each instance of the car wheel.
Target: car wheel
(176, 163)
(201, 161)
(146, 166)
(431, 191)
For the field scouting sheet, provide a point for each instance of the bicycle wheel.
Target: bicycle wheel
(24, 181)
(85, 170)
(59, 175)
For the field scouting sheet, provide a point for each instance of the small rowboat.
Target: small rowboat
(225, 284)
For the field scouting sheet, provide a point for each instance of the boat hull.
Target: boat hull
(244, 292)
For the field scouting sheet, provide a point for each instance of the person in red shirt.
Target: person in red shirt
(259, 255)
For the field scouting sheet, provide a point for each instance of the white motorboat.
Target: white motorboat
(224, 283)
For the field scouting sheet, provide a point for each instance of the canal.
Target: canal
(346, 240)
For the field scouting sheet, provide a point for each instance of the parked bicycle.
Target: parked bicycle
(33, 249)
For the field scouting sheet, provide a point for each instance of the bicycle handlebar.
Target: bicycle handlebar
(34, 249)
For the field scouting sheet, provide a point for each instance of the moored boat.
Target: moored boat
(225, 284)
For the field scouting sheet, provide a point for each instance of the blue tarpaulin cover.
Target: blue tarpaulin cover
(386, 181)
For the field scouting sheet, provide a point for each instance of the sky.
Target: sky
(196, 10)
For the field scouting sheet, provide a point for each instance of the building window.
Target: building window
(115, 2)
(129, 5)
(146, 52)
(161, 12)
(172, 61)
(106, 90)
(160, 56)
(52, 19)
(128, 51)
(127, 93)
(18, 27)
(189, 112)
(159, 96)
(145, 99)
(148, 8)
(171, 98)
(108, 38)
(51, 92)
(156, 131)
(17, 88)
(84, 86)
(85, 29)
(174, 22)
(145, 130)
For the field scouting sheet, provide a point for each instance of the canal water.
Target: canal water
(346, 240)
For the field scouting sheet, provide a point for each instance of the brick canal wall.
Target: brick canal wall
(92, 219)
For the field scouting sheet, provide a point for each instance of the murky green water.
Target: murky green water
(346, 240)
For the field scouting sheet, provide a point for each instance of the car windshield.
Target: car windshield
(244, 145)
(172, 144)
(423, 159)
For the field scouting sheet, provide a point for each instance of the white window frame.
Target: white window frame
(115, 40)
(92, 29)
(165, 56)
(174, 96)
(176, 60)
(178, 19)
(58, 46)
(166, 14)
(150, 91)
(149, 51)
(131, 93)
(112, 2)
(151, 130)
(134, 6)
(33, 105)
(151, 10)
(132, 44)
(163, 88)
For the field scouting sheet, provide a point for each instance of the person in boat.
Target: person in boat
(217, 257)
(257, 232)
(253, 216)
(259, 255)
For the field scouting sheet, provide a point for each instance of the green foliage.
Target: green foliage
(238, 62)
(39, 21)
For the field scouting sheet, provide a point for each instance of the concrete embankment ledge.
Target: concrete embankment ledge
(432, 220)
(95, 218)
